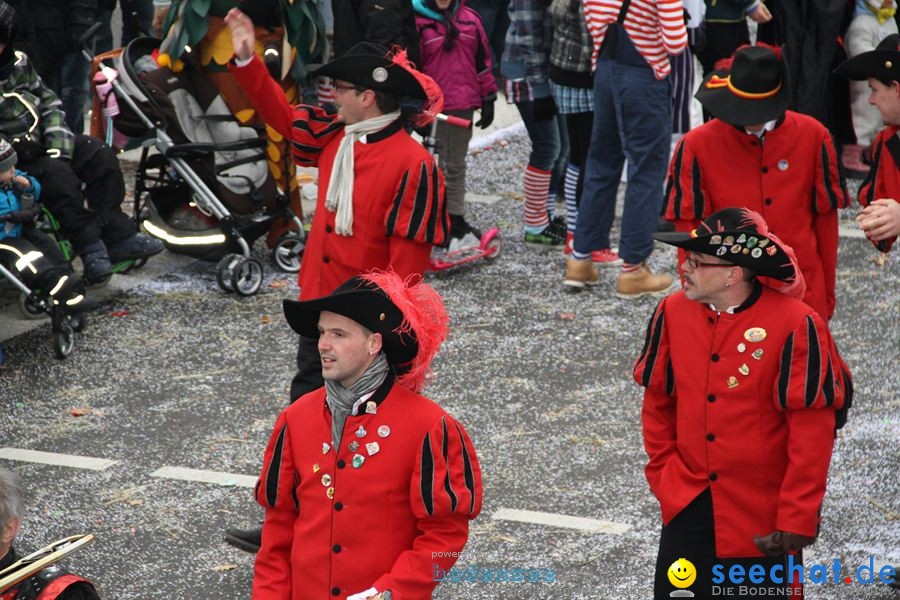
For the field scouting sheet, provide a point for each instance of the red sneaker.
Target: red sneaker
(570, 239)
(606, 258)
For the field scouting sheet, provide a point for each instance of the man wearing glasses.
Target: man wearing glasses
(744, 389)
(380, 198)
(759, 155)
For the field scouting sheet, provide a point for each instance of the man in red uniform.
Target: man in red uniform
(54, 582)
(758, 155)
(742, 384)
(880, 192)
(368, 486)
(380, 196)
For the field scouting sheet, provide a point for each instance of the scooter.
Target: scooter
(489, 245)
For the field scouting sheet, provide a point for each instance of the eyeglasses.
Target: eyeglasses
(694, 264)
(346, 88)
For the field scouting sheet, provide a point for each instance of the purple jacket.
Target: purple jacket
(464, 73)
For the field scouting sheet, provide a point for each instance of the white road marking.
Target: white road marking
(52, 458)
(482, 198)
(555, 520)
(214, 477)
(851, 231)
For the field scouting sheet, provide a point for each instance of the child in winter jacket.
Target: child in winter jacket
(26, 251)
(454, 52)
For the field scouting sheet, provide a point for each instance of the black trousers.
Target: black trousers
(95, 167)
(690, 535)
(579, 127)
(722, 39)
(309, 368)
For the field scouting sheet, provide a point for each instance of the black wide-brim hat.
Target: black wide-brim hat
(365, 303)
(881, 63)
(366, 65)
(733, 234)
(753, 91)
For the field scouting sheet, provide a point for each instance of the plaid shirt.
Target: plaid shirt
(572, 42)
(526, 55)
(23, 92)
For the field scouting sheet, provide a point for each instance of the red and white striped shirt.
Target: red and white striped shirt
(656, 28)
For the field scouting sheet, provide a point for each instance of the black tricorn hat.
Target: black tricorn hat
(739, 236)
(881, 63)
(366, 65)
(365, 303)
(753, 90)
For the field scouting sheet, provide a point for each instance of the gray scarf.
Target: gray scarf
(343, 402)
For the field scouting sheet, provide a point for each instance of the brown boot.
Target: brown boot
(580, 273)
(641, 282)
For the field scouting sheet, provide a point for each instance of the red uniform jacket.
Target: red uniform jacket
(791, 179)
(333, 528)
(743, 404)
(398, 195)
(883, 180)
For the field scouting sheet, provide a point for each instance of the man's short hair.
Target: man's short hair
(12, 496)
(386, 103)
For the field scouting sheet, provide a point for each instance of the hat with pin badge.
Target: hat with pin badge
(881, 63)
(767, 255)
(367, 65)
(410, 317)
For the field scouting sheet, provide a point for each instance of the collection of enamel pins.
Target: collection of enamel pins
(372, 448)
(754, 335)
(746, 245)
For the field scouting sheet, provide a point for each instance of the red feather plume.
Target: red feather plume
(794, 287)
(424, 317)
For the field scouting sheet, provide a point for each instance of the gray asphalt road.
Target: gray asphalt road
(172, 372)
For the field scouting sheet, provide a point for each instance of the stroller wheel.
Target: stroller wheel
(288, 252)
(77, 322)
(29, 308)
(225, 271)
(248, 276)
(63, 340)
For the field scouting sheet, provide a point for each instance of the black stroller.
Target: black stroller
(208, 191)
(43, 291)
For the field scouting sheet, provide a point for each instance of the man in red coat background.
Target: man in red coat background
(880, 192)
(368, 486)
(759, 155)
(380, 198)
(742, 384)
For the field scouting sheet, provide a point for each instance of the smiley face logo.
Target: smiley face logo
(682, 573)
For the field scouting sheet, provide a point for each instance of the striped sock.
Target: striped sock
(325, 91)
(569, 190)
(630, 267)
(537, 183)
(580, 255)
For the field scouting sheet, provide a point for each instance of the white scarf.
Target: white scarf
(339, 197)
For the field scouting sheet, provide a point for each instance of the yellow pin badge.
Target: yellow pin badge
(755, 334)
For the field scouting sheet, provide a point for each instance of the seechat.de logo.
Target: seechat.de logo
(682, 574)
